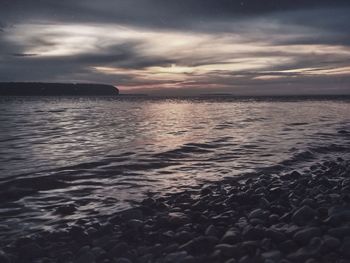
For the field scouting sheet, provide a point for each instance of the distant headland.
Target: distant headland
(56, 89)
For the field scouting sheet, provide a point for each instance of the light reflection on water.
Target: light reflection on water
(100, 153)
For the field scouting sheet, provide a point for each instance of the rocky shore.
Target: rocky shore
(293, 217)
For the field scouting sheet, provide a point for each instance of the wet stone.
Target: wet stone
(231, 237)
(303, 215)
(258, 213)
(339, 232)
(338, 215)
(86, 257)
(31, 251)
(4, 258)
(330, 243)
(273, 218)
(119, 249)
(305, 235)
(183, 236)
(211, 231)
(176, 257)
(288, 246)
(275, 235)
(345, 248)
(133, 213)
(177, 218)
(227, 250)
(273, 255)
(135, 224)
(122, 260)
(200, 245)
(253, 233)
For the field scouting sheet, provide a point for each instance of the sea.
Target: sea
(104, 154)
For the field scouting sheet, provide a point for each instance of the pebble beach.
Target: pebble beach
(292, 217)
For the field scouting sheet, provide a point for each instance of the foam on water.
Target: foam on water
(102, 154)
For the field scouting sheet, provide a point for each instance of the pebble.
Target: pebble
(31, 251)
(87, 257)
(338, 215)
(122, 260)
(231, 237)
(4, 258)
(227, 250)
(135, 224)
(253, 233)
(273, 255)
(211, 231)
(305, 235)
(339, 232)
(177, 218)
(275, 235)
(303, 215)
(133, 213)
(258, 213)
(345, 248)
(288, 246)
(200, 244)
(176, 257)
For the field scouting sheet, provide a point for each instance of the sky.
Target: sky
(243, 47)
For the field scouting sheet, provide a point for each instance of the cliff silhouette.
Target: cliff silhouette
(55, 89)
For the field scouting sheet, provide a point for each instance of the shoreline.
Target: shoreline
(289, 218)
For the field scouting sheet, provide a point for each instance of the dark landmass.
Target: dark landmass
(134, 95)
(216, 94)
(291, 217)
(56, 89)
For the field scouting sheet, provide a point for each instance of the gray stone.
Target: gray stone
(339, 232)
(338, 215)
(4, 258)
(253, 233)
(175, 257)
(98, 251)
(307, 252)
(122, 260)
(288, 246)
(305, 235)
(211, 231)
(119, 250)
(135, 224)
(273, 255)
(345, 248)
(31, 251)
(177, 218)
(227, 250)
(258, 213)
(329, 244)
(303, 215)
(133, 213)
(275, 235)
(200, 244)
(86, 257)
(231, 237)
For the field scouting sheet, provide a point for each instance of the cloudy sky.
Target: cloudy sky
(180, 47)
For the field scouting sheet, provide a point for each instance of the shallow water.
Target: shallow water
(102, 154)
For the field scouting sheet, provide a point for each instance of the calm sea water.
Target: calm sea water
(101, 154)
